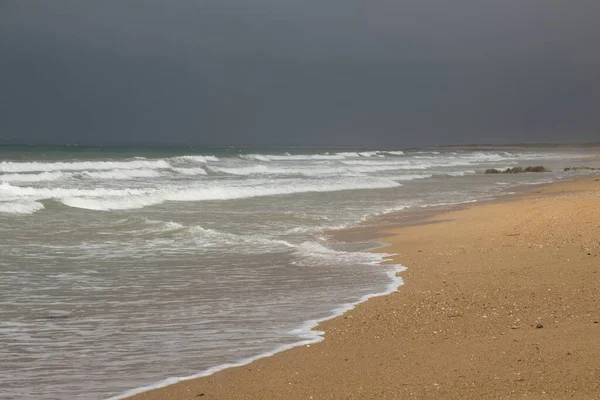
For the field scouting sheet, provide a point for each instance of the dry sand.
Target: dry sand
(464, 323)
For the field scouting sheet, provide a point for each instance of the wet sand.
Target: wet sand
(500, 300)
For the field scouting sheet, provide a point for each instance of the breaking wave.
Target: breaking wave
(310, 171)
(20, 207)
(129, 198)
(16, 167)
(33, 177)
(122, 174)
(196, 159)
(324, 156)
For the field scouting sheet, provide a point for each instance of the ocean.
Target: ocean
(126, 269)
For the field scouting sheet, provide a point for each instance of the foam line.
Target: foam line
(305, 333)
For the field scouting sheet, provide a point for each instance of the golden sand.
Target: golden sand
(501, 300)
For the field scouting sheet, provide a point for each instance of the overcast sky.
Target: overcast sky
(299, 72)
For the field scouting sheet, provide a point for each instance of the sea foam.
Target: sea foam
(20, 207)
(34, 177)
(130, 198)
(305, 333)
(12, 167)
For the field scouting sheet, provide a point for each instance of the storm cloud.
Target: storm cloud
(265, 72)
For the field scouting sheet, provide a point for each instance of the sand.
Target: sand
(500, 300)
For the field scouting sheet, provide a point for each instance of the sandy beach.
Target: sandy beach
(500, 300)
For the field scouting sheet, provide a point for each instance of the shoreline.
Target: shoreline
(308, 334)
(329, 324)
(308, 331)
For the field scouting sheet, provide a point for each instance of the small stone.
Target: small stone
(539, 325)
(595, 322)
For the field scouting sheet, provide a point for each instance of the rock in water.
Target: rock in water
(517, 170)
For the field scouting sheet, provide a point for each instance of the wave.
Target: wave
(34, 177)
(323, 156)
(121, 174)
(49, 193)
(121, 199)
(138, 234)
(306, 171)
(452, 203)
(378, 162)
(315, 254)
(16, 167)
(110, 204)
(142, 226)
(460, 173)
(134, 164)
(371, 154)
(411, 177)
(252, 170)
(101, 174)
(196, 159)
(254, 157)
(190, 171)
(225, 238)
(306, 333)
(308, 157)
(20, 207)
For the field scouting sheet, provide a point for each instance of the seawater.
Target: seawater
(123, 269)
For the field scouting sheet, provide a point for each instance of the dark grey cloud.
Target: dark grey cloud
(309, 72)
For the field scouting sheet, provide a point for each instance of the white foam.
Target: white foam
(20, 207)
(49, 193)
(122, 174)
(459, 173)
(11, 167)
(190, 171)
(251, 170)
(207, 235)
(305, 332)
(343, 154)
(226, 238)
(34, 177)
(452, 203)
(280, 187)
(197, 159)
(324, 156)
(256, 157)
(371, 154)
(298, 157)
(122, 199)
(327, 156)
(411, 177)
(110, 204)
(315, 254)
(378, 162)
(262, 169)
(388, 210)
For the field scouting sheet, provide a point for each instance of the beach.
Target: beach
(124, 270)
(500, 300)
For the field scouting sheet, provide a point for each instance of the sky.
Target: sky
(299, 72)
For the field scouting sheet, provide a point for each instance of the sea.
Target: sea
(125, 269)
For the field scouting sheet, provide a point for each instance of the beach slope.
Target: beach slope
(500, 300)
